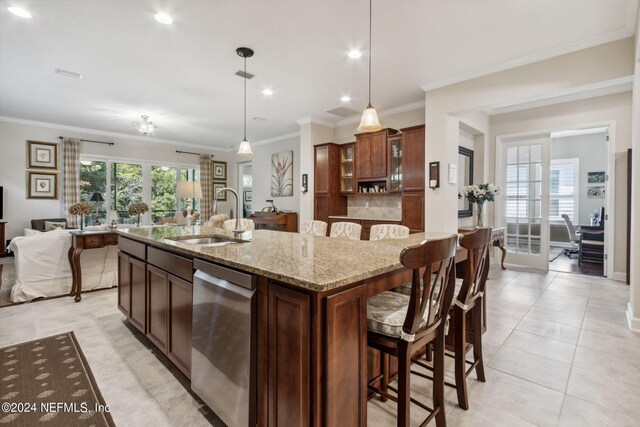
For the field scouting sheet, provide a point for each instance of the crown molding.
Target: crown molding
(108, 134)
(276, 138)
(383, 113)
(619, 34)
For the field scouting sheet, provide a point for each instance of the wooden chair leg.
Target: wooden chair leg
(428, 352)
(477, 342)
(384, 382)
(460, 364)
(404, 373)
(438, 381)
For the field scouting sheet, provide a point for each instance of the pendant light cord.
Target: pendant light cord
(370, 20)
(245, 98)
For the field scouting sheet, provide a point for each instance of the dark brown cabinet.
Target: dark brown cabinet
(413, 159)
(347, 169)
(137, 277)
(327, 198)
(124, 284)
(371, 154)
(413, 211)
(180, 310)
(158, 315)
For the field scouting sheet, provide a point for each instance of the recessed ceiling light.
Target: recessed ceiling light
(354, 54)
(18, 11)
(267, 92)
(345, 98)
(163, 18)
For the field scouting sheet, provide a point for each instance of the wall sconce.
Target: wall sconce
(305, 182)
(434, 175)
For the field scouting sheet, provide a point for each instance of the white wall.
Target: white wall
(18, 210)
(591, 152)
(614, 108)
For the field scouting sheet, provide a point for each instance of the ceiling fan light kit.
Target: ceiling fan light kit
(144, 126)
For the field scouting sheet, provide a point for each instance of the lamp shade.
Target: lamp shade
(369, 121)
(245, 148)
(96, 197)
(113, 215)
(189, 190)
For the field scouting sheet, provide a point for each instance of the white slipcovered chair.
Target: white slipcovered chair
(217, 221)
(43, 270)
(388, 231)
(245, 224)
(347, 230)
(314, 228)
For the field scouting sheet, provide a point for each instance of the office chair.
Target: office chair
(574, 237)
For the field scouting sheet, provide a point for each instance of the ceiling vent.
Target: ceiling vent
(342, 112)
(242, 74)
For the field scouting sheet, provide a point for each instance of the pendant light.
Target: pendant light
(369, 121)
(245, 147)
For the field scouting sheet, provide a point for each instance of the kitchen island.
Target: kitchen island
(310, 317)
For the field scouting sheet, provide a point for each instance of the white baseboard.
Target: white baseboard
(619, 276)
(633, 322)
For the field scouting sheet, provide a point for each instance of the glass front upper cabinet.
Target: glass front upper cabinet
(347, 183)
(395, 173)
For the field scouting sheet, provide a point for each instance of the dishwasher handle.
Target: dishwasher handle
(239, 278)
(200, 278)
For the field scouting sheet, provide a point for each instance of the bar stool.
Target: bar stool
(400, 324)
(348, 230)
(466, 314)
(314, 228)
(388, 231)
(245, 224)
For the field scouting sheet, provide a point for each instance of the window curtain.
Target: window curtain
(206, 183)
(71, 175)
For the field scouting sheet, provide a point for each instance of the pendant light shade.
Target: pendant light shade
(245, 148)
(369, 121)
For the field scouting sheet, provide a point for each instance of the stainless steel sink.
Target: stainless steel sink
(209, 241)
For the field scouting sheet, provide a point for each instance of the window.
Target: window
(93, 181)
(126, 187)
(563, 189)
(164, 181)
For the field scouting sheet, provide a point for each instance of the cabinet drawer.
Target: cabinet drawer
(93, 242)
(174, 264)
(131, 247)
(110, 240)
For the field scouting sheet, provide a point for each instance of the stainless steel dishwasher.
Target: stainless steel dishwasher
(223, 358)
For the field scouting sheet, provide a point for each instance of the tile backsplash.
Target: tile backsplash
(379, 207)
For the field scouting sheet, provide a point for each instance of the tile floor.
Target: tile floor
(557, 352)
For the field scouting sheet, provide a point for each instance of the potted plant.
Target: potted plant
(138, 209)
(479, 194)
(82, 209)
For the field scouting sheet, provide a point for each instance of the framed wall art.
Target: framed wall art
(42, 155)
(217, 186)
(248, 196)
(220, 170)
(42, 185)
(282, 174)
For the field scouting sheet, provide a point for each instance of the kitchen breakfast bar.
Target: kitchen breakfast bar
(273, 322)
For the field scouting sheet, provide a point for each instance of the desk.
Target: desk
(497, 240)
(81, 240)
(279, 221)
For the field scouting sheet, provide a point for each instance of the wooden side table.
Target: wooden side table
(81, 240)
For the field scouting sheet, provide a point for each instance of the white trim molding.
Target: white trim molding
(632, 322)
(277, 138)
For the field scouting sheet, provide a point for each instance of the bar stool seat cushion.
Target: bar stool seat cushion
(386, 313)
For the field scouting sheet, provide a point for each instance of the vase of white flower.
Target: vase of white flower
(479, 194)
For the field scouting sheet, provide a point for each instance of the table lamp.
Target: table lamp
(113, 216)
(189, 190)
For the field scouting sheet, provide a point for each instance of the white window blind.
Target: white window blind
(563, 189)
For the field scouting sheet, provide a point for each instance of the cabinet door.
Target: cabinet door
(321, 208)
(158, 315)
(363, 156)
(413, 211)
(124, 284)
(413, 159)
(138, 276)
(180, 310)
(322, 176)
(289, 357)
(378, 155)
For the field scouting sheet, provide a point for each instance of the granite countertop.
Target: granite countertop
(364, 218)
(317, 263)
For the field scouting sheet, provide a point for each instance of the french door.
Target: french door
(523, 166)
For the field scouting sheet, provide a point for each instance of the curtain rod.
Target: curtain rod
(95, 142)
(195, 154)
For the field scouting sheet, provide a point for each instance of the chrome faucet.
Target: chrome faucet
(214, 207)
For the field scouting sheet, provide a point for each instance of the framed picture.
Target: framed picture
(595, 177)
(217, 186)
(220, 170)
(42, 155)
(42, 185)
(282, 174)
(595, 192)
(248, 196)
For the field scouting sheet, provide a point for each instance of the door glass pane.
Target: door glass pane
(512, 155)
(126, 187)
(93, 189)
(536, 190)
(523, 245)
(523, 154)
(536, 171)
(535, 246)
(163, 192)
(536, 153)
